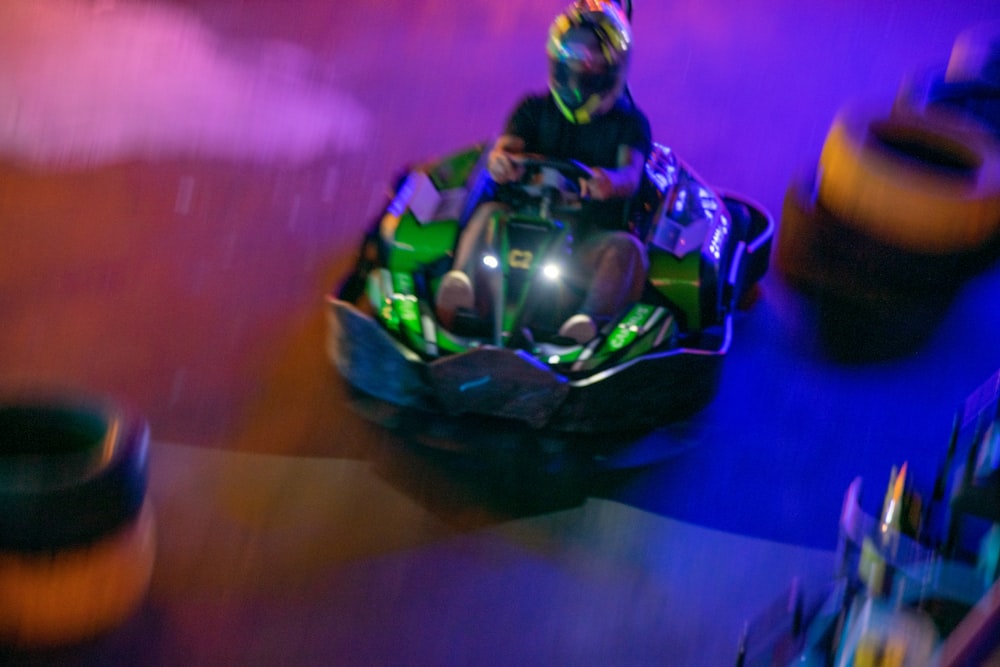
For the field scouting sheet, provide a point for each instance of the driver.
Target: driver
(585, 116)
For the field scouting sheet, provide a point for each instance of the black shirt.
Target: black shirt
(545, 131)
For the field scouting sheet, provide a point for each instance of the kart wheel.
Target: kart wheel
(738, 292)
(926, 182)
(752, 242)
(76, 531)
(754, 226)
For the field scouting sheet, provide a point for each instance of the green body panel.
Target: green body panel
(627, 330)
(448, 345)
(407, 309)
(412, 244)
(380, 299)
(453, 170)
(635, 334)
(680, 281)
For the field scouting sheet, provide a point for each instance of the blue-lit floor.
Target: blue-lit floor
(214, 197)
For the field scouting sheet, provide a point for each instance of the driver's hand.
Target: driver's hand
(598, 186)
(504, 167)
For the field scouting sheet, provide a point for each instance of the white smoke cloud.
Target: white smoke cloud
(84, 82)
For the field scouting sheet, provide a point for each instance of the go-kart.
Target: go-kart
(916, 584)
(656, 361)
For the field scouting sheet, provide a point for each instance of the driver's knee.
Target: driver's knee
(624, 252)
(635, 263)
(630, 247)
(619, 267)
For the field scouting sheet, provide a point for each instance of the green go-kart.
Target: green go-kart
(656, 361)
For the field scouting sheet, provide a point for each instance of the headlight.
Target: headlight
(551, 271)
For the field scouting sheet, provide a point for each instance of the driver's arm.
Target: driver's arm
(620, 182)
(502, 167)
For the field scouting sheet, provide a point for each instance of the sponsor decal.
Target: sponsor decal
(520, 259)
(627, 330)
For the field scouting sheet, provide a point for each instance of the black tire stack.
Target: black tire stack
(77, 535)
(903, 206)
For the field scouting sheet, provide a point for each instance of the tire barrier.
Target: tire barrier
(816, 250)
(902, 206)
(924, 181)
(77, 533)
(871, 301)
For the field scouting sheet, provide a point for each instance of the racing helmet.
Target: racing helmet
(588, 48)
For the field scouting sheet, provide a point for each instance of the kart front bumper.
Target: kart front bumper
(507, 383)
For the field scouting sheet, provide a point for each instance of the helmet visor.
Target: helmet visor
(575, 84)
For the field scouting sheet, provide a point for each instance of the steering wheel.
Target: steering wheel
(571, 170)
(549, 195)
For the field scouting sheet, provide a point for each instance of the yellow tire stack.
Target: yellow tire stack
(902, 206)
(77, 535)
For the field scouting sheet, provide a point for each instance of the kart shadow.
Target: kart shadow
(473, 471)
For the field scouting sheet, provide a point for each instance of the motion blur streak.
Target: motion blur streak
(84, 83)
